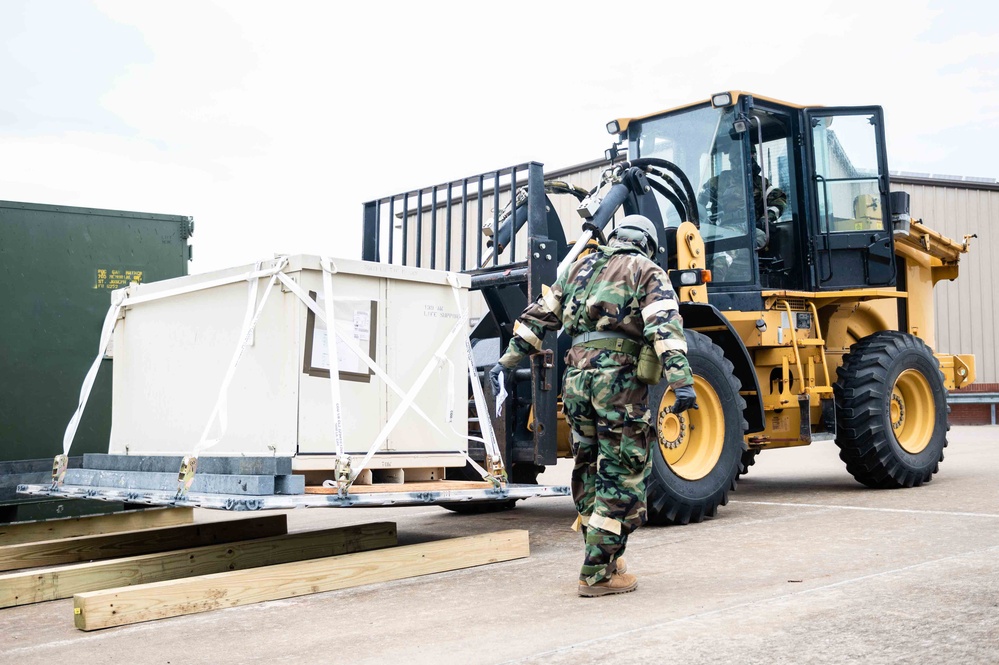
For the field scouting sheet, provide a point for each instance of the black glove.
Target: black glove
(496, 378)
(685, 399)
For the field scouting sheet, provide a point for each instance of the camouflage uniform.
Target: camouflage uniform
(723, 192)
(604, 402)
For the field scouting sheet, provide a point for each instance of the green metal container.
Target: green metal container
(58, 266)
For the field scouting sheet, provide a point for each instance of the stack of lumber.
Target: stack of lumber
(126, 569)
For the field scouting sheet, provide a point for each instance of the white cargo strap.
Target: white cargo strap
(253, 312)
(256, 273)
(411, 395)
(252, 316)
(189, 463)
(295, 288)
(61, 462)
(88, 382)
(119, 302)
(494, 461)
(342, 471)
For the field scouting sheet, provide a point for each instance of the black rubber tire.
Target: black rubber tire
(520, 474)
(676, 500)
(479, 507)
(868, 444)
(748, 460)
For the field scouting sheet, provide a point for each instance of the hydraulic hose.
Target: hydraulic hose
(673, 168)
(681, 209)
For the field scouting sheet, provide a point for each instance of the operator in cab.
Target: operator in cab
(613, 302)
(724, 198)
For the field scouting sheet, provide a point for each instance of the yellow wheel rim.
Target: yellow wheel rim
(692, 442)
(911, 411)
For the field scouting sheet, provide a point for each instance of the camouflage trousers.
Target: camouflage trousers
(608, 412)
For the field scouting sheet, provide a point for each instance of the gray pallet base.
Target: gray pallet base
(208, 483)
(26, 472)
(241, 466)
(274, 502)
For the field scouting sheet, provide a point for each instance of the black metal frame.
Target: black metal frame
(508, 279)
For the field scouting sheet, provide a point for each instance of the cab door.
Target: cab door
(850, 237)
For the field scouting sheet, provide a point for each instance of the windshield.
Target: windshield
(701, 142)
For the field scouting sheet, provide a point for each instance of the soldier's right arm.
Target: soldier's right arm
(529, 330)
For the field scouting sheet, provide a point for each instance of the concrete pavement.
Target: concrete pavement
(803, 566)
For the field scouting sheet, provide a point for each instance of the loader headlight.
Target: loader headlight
(720, 99)
(613, 127)
(689, 277)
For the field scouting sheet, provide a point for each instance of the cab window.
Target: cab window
(846, 167)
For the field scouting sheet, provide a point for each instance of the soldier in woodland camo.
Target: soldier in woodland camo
(611, 302)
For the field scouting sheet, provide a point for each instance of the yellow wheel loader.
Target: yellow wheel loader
(805, 287)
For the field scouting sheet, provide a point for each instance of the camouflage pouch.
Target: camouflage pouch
(650, 368)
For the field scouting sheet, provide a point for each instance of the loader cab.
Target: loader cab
(789, 198)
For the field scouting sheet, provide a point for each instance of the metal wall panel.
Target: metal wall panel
(965, 309)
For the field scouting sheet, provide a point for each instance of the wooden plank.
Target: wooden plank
(145, 541)
(35, 586)
(427, 486)
(91, 525)
(117, 607)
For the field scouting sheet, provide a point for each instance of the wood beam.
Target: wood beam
(145, 541)
(38, 585)
(91, 525)
(117, 607)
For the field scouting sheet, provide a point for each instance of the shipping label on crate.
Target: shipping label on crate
(110, 278)
(354, 319)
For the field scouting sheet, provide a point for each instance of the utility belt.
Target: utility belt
(649, 367)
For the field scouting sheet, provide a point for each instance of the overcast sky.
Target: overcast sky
(272, 122)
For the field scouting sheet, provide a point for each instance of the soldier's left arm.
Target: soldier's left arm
(664, 326)
(776, 201)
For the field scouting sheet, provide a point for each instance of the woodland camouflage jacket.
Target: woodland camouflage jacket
(632, 295)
